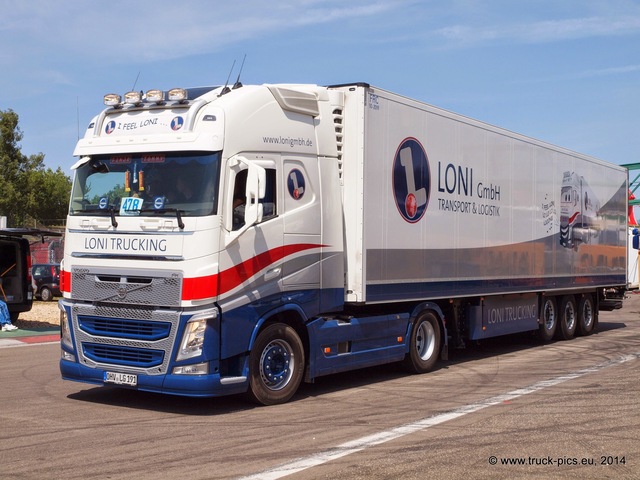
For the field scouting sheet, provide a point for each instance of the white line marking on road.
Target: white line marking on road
(377, 438)
(11, 343)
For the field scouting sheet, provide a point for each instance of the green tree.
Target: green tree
(29, 192)
(48, 199)
(10, 163)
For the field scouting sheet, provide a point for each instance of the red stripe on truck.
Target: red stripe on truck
(573, 217)
(198, 288)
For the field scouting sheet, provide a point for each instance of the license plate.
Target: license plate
(121, 378)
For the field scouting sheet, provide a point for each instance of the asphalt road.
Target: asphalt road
(504, 409)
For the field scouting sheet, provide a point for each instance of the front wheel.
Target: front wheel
(424, 344)
(276, 365)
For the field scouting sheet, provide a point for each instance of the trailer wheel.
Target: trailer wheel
(586, 315)
(568, 318)
(424, 345)
(549, 317)
(276, 365)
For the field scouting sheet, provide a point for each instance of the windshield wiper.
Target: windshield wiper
(101, 211)
(112, 212)
(166, 210)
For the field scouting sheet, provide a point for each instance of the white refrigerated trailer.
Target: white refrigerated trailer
(229, 240)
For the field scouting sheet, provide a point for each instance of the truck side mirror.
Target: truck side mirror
(254, 192)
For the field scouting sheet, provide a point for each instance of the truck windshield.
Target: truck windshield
(147, 184)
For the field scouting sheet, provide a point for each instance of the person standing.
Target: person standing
(5, 318)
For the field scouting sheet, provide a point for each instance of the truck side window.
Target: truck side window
(239, 198)
(269, 202)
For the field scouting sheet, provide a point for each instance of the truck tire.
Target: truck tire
(424, 344)
(586, 314)
(549, 317)
(45, 294)
(276, 365)
(568, 320)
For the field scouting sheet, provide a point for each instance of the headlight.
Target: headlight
(65, 331)
(192, 339)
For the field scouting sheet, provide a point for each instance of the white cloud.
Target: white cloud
(540, 31)
(605, 72)
(152, 29)
(585, 74)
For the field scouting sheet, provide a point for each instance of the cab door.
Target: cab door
(252, 255)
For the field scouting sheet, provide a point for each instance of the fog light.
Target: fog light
(197, 369)
(68, 356)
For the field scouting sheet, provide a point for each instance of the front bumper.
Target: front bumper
(212, 385)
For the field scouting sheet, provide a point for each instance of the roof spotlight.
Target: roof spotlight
(112, 99)
(133, 98)
(156, 96)
(178, 95)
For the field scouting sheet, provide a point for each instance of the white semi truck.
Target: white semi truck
(226, 240)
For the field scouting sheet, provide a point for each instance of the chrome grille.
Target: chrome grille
(124, 328)
(130, 287)
(125, 356)
(138, 338)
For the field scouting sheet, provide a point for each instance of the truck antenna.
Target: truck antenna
(226, 88)
(238, 84)
(136, 82)
(78, 115)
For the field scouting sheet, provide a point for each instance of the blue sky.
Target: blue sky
(563, 71)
